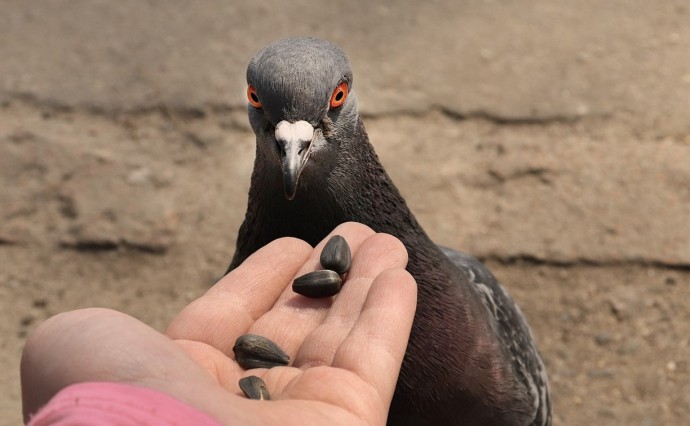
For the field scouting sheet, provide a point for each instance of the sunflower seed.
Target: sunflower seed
(255, 388)
(323, 283)
(336, 255)
(252, 351)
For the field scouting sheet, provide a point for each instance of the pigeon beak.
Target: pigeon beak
(294, 140)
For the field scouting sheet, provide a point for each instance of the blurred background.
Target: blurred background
(549, 138)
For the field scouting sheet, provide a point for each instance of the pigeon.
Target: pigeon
(471, 358)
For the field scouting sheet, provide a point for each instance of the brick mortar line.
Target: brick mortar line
(523, 259)
(192, 111)
(505, 260)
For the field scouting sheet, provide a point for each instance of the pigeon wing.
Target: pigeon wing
(512, 330)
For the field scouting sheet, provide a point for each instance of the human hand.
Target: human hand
(345, 351)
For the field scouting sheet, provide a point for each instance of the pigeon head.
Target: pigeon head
(300, 101)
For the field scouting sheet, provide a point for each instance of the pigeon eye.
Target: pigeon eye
(339, 95)
(253, 98)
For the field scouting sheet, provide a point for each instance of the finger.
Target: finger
(375, 347)
(230, 307)
(294, 316)
(378, 253)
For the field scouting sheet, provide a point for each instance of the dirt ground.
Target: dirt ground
(124, 176)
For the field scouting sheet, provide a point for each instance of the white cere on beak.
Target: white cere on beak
(294, 132)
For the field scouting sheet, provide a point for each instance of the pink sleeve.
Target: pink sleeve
(110, 404)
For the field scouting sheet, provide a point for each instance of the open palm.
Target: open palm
(345, 352)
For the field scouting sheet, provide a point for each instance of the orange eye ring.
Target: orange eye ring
(339, 95)
(253, 98)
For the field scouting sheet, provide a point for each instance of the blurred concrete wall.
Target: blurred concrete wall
(506, 59)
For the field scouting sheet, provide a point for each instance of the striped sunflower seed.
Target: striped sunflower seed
(336, 255)
(255, 388)
(323, 283)
(252, 351)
